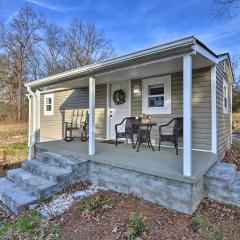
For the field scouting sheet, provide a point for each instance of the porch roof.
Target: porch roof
(203, 56)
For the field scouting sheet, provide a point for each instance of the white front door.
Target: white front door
(120, 111)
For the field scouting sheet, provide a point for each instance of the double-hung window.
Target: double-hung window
(49, 104)
(225, 96)
(157, 95)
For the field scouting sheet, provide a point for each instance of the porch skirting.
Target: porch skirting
(179, 196)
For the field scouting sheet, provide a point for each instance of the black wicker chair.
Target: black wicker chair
(131, 128)
(177, 132)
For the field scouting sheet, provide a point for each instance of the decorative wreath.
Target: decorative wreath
(119, 97)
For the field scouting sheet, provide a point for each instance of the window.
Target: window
(49, 104)
(225, 96)
(157, 95)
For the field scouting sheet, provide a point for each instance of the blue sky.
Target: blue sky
(136, 24)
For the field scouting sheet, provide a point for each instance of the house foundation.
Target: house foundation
(180, 196)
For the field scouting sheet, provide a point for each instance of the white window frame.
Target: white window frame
(225, 86)
(166, 81)
(46, 112)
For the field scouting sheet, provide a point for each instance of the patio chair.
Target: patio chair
(79, 123)
(130, 128)
(176, 133)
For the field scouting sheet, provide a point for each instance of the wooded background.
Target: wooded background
(32, 48)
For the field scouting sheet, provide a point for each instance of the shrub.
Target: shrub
(93, 204)
(218, 234)
(200, 219)
(138, 226)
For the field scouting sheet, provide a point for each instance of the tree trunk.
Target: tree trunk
(19, 103)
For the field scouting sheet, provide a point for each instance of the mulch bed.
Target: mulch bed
(113, 222)
(233, 155)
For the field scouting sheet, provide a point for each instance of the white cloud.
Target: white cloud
(52, 7)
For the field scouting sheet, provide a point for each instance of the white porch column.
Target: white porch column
(91, 143)
(214, 108)
(29, 119)
(34, 136)
(38, 114)
(187, 115)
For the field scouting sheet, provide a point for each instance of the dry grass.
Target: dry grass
(13, 144)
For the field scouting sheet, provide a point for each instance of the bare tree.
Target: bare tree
(19, 38)
(51, 51)
(32, 49)
(84, 44)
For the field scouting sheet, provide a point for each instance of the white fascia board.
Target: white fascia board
(204, 52)
(98, 66)
(222, 58)
(226, 57)
(54, 90)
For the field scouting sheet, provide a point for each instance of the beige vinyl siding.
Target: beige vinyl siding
(201, 107)
(223, 120)
(64, 103)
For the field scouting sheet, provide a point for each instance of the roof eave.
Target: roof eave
(190, 41)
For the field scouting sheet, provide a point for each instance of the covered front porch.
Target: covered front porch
(164, 163)
(193, 98)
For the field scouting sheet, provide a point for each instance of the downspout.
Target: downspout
(32, 139)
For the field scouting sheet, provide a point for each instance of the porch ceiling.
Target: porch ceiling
(138, 71)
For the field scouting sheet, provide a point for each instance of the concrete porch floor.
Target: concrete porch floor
(163, 164)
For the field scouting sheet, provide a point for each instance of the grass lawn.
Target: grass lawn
(13, 144)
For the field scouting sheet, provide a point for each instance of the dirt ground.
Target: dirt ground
(112, 220)
(212, 221)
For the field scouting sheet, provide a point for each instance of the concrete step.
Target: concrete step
(236, 183)
(59, 175)
(14, 197)
(58, 160)
(33, 183)
(221, 175)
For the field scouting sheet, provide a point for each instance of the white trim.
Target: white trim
(201, 50)
(130, 98)
(225, 85)
(49, 113)
(54, 90)
(231, 140)
(29, 119)
(214, 108)
(167, 108)
(193, 149)
(187, 115)
(91, 141)
(38, 116)
(108, 122)
(222, 58)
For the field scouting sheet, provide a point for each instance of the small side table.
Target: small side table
(144, 134)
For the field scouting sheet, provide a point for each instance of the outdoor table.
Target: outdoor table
(144, 134)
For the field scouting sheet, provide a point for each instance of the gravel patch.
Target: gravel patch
(62, 202)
